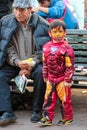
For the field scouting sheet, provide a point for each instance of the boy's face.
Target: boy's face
(57, 34)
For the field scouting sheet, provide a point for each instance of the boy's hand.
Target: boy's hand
(45, 80)
(66, 84)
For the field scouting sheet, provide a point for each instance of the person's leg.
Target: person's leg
(50, 101)
(39, 91)
(6, 74)
(64, 94)
(49, 105)
(67, 105)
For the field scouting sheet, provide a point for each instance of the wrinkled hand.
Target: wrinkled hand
(25, 68)
(23, 65)
(25, 72)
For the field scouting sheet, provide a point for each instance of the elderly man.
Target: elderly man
(17, 32)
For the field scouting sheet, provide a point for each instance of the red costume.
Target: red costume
(58, 67)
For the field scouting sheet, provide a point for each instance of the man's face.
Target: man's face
(22, 15)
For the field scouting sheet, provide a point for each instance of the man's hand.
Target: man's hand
(25, 72)
(25, 68)
(23, 65)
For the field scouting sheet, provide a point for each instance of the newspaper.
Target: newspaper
(21, 82)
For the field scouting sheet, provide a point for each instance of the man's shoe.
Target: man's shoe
(64, 122)
(7, 118)
(44, 122)
(36, 117)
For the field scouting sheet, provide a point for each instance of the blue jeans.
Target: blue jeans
(8, 72)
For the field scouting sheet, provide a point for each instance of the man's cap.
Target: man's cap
(22, 3)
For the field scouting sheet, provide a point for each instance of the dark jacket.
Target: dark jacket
(5, 7)
(9, 26)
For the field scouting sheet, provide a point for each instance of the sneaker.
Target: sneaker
(7, 118)
(45, 122)
(36, 117)
(64, 122)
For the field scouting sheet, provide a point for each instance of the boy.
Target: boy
(58, 69)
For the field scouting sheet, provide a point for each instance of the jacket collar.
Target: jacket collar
(33, 20)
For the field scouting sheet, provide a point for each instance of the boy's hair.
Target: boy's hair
(42, 1)
(57, 23)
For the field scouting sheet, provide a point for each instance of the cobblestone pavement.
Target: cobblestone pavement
(79, 100)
